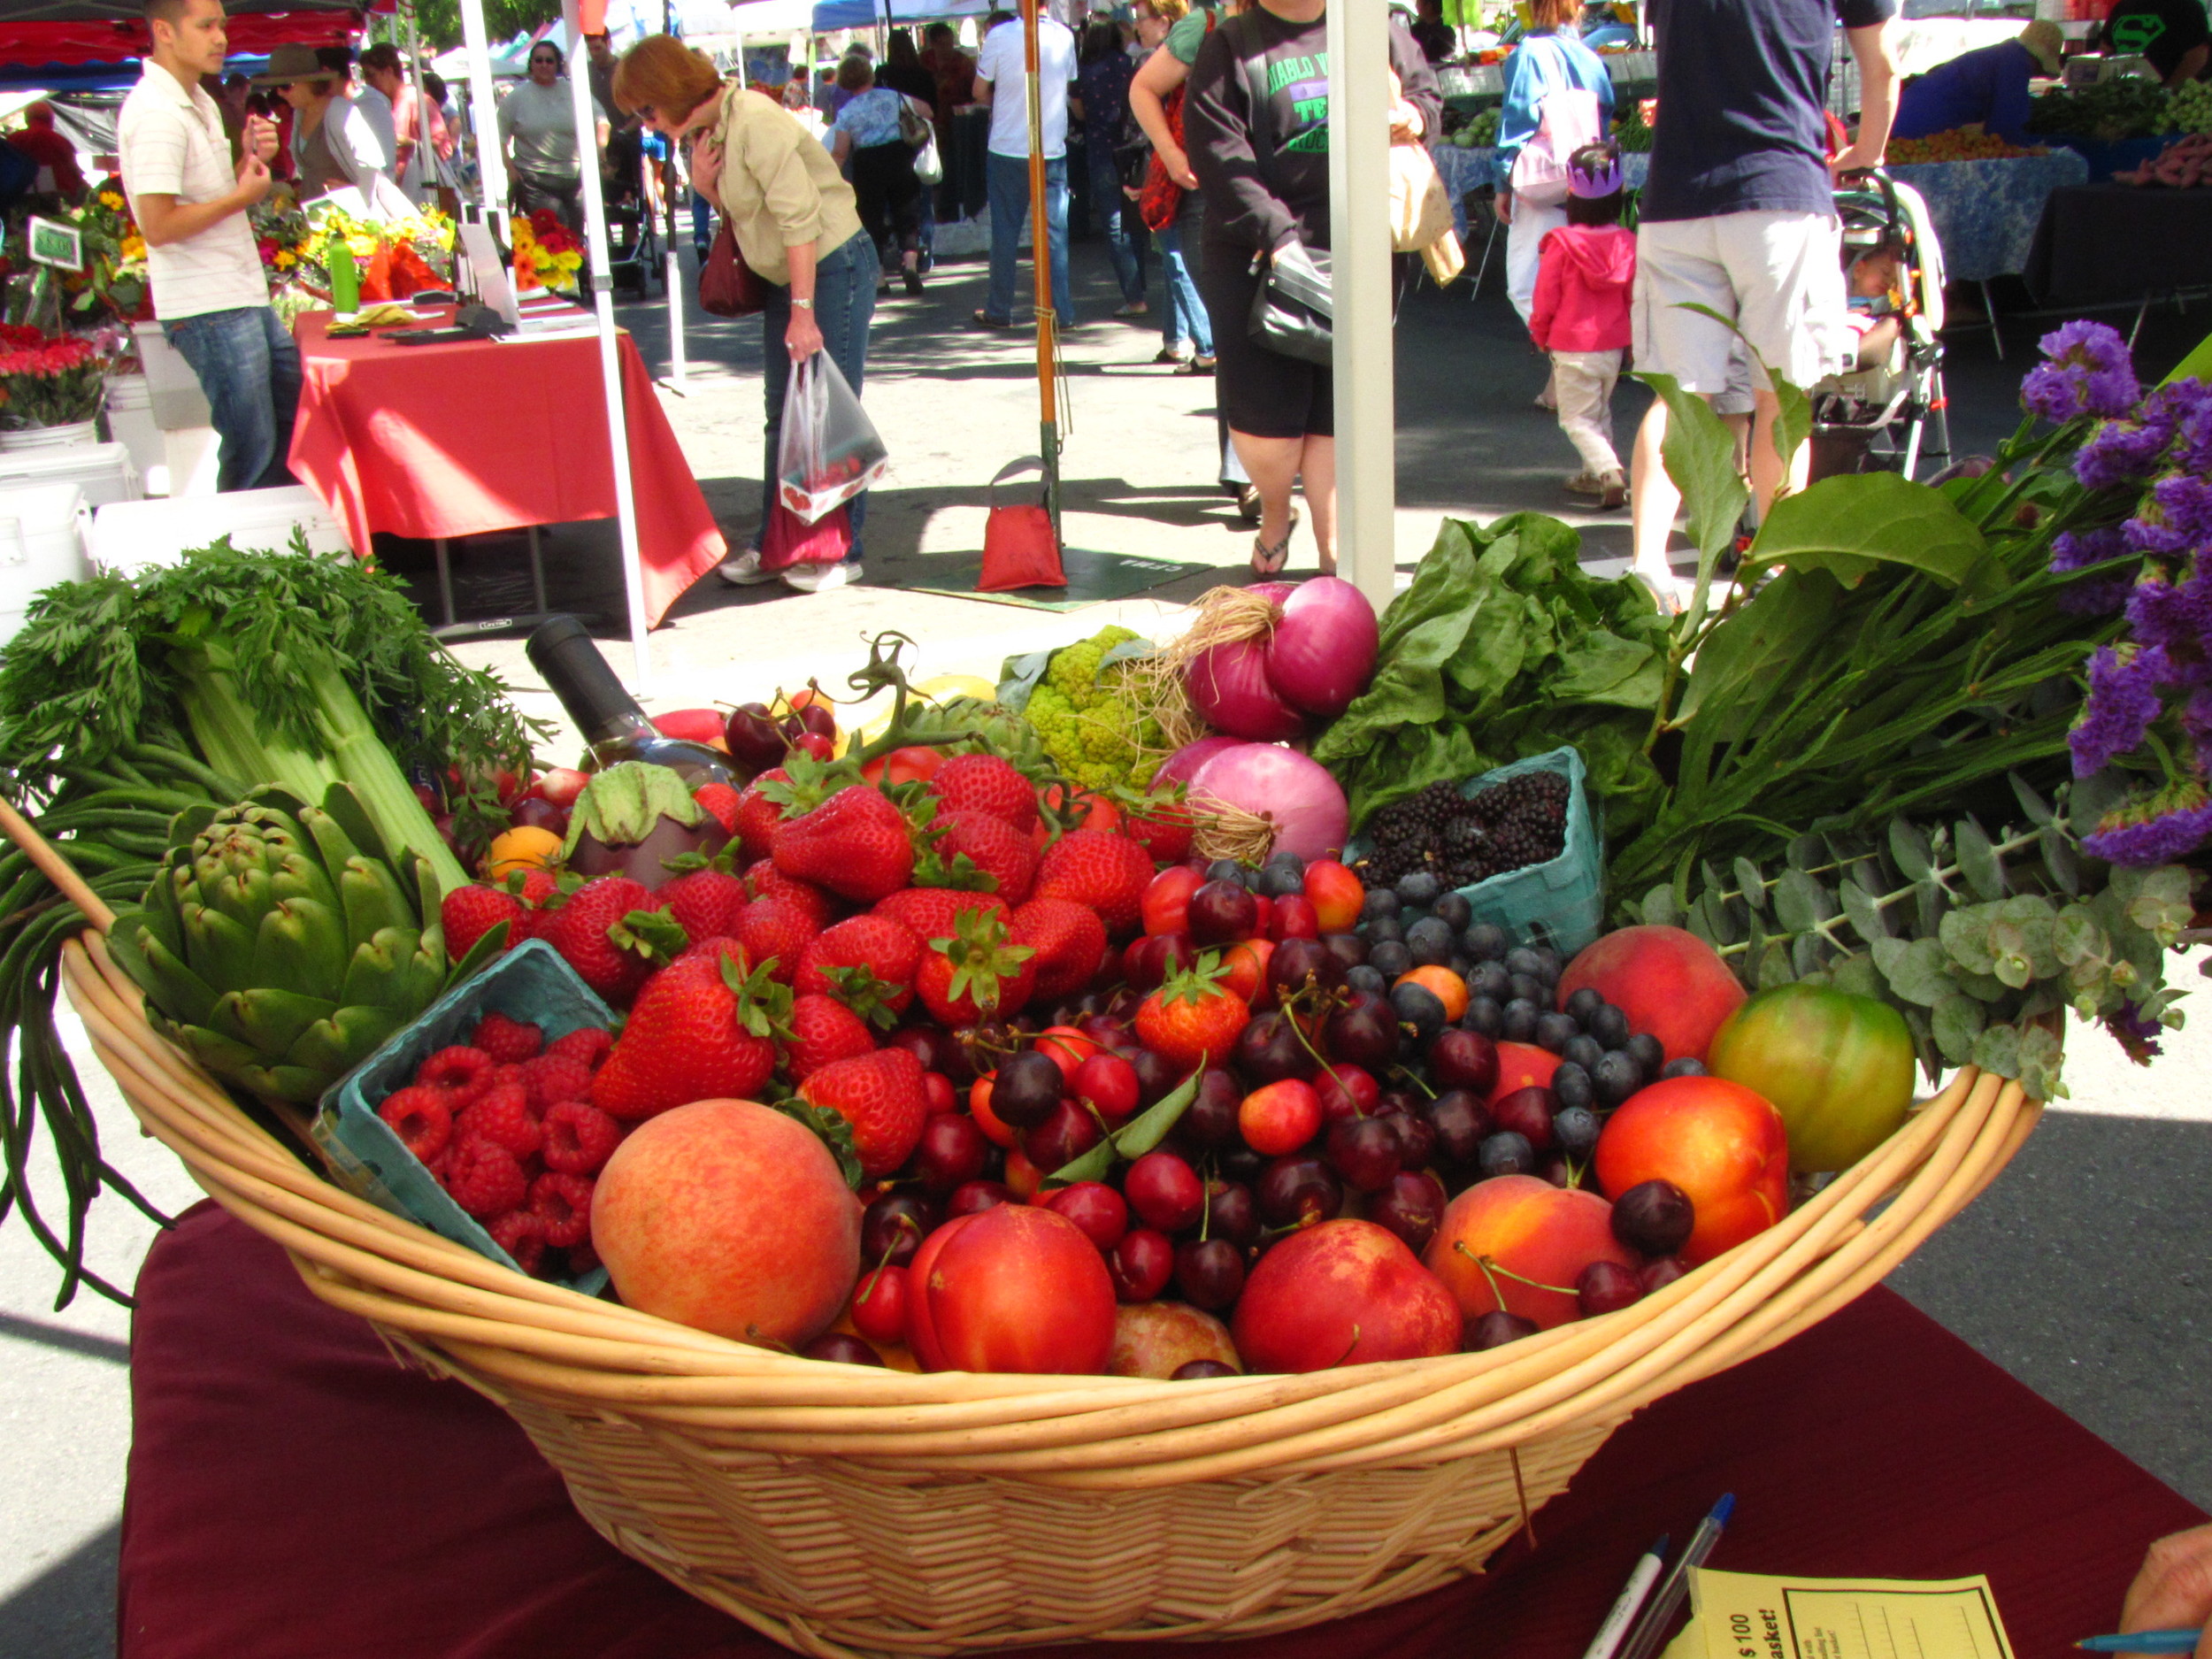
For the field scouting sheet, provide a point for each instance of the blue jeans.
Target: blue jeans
(1185, 316)
(1008, 177)
(1109, 210)
(844, 300)
(250, 371)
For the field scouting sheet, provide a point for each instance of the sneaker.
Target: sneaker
(1613, 493)
(820, 578)
(743, 570)
(1172, 354)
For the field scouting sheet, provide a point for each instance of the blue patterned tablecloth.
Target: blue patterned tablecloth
(1467, 170)
(1986, 213)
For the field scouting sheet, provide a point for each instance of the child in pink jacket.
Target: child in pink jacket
(1587, 269)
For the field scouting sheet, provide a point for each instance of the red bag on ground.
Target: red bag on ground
(1019, 547)
(788, 539)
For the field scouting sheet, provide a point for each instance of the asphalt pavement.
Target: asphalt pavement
(2082, 1270)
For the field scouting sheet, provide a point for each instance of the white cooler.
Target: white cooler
(131, 536)
(41, 544)
(104, 471)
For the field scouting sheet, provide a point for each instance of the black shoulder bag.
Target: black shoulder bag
(1293, 310)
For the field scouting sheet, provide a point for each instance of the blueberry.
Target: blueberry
(1583, 1050)
(1486, 942)
(1381, 929)
(1381, 901)
(1459, 965)
(1609, 1025)
(1575, 1129)
(1389, 958)
(1280, 880)
(1431, 941)
(1648, 1054)
(1505, 1153)
(1490, 980)
(1583, 1005)
(1521, 959)
(1520, 1022)
(1571, 1083)
(1529, 986)
(1420, 1008)
(1484, 1016)
(1555, 1032)
(1688, 1065)
(1615, 1078)
(1420, 887)
(1550, 963)
(1365, 977)
(1226, 869)
(1454, 909)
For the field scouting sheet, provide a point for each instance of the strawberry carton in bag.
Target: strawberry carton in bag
(828, 450)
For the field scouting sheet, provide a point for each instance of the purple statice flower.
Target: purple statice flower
(2159, 829)
(2173, 619)
(2087, 372)
(2192, 446)
(2135, 1031)
(2175, 516)
(2196, 721)
(2096, 599)
(2122, 702)
(2073, 551)
(2120, 452)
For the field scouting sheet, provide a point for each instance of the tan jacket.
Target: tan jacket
(778, 185)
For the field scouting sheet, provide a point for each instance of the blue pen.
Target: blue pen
(2145, 1641)
(1659, 1612)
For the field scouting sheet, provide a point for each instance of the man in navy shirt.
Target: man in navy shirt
(1740, 216)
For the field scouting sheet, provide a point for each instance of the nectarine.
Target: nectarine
(1719, 1142)
(1344, 1293)
(1013, 1288)
(1666, 980)
(1533, 1229)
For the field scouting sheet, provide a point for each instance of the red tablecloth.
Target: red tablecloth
(480, 435)
(295, 1495)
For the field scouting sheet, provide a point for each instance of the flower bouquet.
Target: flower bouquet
(395, 258)
(46, 381)
(114, 281)
(547, 254)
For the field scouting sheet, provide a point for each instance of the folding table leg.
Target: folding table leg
(445, 579)
(537, 569)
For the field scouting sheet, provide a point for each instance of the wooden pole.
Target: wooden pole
(1040, 262)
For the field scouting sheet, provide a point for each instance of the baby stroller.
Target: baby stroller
(632, 244)
(1890, 416)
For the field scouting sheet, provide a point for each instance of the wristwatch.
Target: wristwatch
(804, 305)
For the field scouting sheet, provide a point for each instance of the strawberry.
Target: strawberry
(467, 914)
(856, 844)
(931, 911)
(1105, 871)
(1192, 1018)
(611, 934)
(867, 963)
(975, 975)
(540, 891)
(766, 881)
(1163, 828)
(823, 1030)
(759, 814)
(774, 932)
(701, 1030)
(990, 845)
(1070, 942)
(713, 947)
(882, 1097)
(705, 901)
(722, 802)
(984, 783)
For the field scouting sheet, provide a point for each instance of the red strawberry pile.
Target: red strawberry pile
(507, 1124)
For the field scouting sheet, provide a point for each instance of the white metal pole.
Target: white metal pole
(425, 155)
(610, 358)
(491, 166)
(1359, 238)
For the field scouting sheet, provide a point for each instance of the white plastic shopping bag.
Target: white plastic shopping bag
(828, 452)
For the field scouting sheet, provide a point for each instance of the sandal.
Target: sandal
(1269, 561)
(983, 319)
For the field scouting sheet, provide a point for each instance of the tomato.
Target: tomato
(916, 763)
(1838, 1067)
(1094, 811)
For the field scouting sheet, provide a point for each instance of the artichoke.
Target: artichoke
(280, 943)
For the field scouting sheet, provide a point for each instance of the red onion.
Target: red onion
(1183, 764)
(1293, 792)
(1229, 686)
(1322, 654)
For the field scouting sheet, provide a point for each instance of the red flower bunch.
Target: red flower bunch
(41, 358)
(48, 382)
(16, 336)
(551, 234)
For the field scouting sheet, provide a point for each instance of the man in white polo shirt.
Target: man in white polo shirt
(209, 289)
(1001, 82)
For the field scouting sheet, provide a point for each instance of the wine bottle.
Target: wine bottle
(613, 727)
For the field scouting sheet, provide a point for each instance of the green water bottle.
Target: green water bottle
(345, 281)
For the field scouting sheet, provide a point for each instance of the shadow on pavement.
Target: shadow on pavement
(68, 1611)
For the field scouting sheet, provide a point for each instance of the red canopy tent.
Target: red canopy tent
(33, 32)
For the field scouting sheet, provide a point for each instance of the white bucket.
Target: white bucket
(134, 535)
(103, 472)
(131, 421)
(28, 438)
(42, 542)
(174, 390)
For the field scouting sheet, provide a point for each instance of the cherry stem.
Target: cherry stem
(1490, 1265)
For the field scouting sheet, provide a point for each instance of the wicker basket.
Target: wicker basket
(845, 1511)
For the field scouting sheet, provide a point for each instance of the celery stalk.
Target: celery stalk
(361, 758)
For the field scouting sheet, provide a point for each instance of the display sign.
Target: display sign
(60, 246)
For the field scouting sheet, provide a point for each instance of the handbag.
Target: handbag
(1020, 548)
(1292, 311)
(727, 286)
(787, 540)
(1567, 117)
(919, 133)
(1160, 199)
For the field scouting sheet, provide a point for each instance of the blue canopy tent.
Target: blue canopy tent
(868, 14)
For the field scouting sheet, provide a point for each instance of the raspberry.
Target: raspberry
(484, 1177)
(563, 1204)
(463, 1073)
(551, 1079)
(502, 1116)
(509, 1077)
(422, 1116)
(579, 1138)
(507, 1040)
(586, 1043)
(581, 1259)
(521, 1233)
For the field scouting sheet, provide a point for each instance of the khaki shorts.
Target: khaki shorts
(1778, 275)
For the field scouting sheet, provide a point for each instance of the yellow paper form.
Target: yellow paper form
(1752, 1616)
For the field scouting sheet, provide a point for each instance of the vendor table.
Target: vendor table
(2119, 244)
(443, 440)
(1986, 213)
(1466, 170)
(294, 1491)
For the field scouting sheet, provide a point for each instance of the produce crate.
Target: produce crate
(530, 983)
(1560, 903)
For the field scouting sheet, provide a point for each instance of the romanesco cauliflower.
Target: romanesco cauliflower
(1087, 721)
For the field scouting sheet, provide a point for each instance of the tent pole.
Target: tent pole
(491, 166)
(610, 358)
(1359, 197)
(673, 280)
(1041, 264)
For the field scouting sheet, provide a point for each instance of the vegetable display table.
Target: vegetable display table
(445, 441)
(1986, 213)
(294, 1491)
(1465, 171)
(2120, 244)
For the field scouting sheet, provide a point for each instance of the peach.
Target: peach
(1533, 1229)
(1718, 1142)
(1666, 980)
(1012, 1288)
(1344, 1293)
(731, 1218)
(1152, 1339)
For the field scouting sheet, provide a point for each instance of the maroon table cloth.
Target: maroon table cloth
(294, 1493)
(479, 436)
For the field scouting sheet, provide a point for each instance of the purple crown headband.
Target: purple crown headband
(1594, 186)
